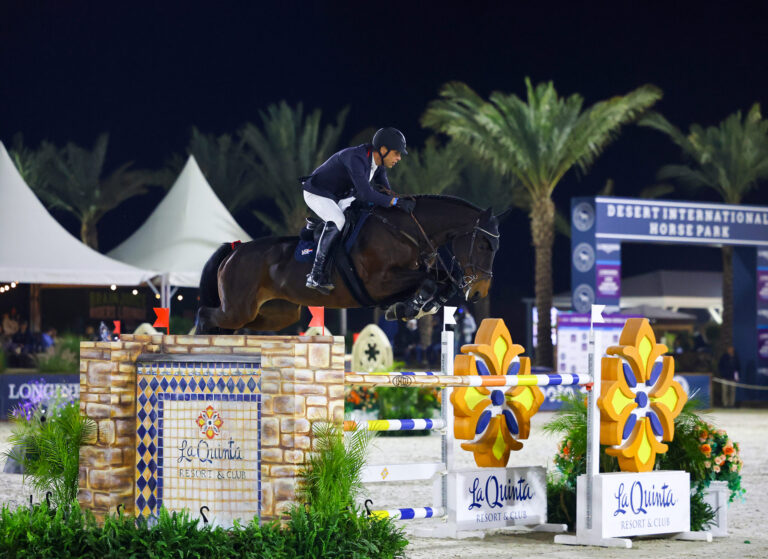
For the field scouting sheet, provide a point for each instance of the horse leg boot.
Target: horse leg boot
(417, 306)
(319, 277)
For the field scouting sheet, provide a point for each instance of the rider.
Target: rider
(344, 177)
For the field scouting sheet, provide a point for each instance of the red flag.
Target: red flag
(318, 317)
(163, 318)
(117, 327)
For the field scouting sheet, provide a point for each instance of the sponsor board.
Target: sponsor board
(498, 497)
(637, 504)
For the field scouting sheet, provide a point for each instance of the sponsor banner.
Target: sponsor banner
(680, 222)
(573, 340)
(498, 497)
(15, 388)
(608, 281)
(637, 504)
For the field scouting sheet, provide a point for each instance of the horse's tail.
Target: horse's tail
(209, 282)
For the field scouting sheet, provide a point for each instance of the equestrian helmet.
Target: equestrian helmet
(390, 137)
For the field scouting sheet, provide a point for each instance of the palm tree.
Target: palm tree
(228, 166)
(289, 145)
(535, 143)
(28, 162)
(729, 158)
(434, 169)
(71, 179)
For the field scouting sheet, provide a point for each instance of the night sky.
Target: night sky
(147, 72)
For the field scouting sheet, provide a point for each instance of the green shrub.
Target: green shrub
(331, 478)
(406, 403)
(64, 357)
(3, 360)
(47, 445)
(75, 533)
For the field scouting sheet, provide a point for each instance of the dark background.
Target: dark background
(147, 72)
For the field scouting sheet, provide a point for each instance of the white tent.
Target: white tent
(35, 249)
(182, 233)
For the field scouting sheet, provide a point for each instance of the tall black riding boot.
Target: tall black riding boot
(319, 279)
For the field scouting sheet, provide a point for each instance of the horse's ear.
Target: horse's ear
(504, 215)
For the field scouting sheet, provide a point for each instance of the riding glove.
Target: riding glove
(406, 205)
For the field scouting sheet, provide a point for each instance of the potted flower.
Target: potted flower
(721, 478)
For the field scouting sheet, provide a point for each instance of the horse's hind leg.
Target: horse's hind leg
(210, 320)
(275, 315)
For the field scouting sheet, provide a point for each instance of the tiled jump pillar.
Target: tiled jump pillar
(302, 382)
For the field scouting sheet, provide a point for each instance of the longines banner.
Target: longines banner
(15, 389)
(498, 497)
(687, 222)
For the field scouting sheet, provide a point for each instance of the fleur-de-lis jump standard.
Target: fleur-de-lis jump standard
(494, 420)
(639, 399)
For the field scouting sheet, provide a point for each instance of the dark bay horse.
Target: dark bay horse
(259, 285)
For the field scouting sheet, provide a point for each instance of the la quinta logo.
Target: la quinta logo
(210, 422)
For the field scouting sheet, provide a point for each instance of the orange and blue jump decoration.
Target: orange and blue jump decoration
(494, 419)
(639, 399)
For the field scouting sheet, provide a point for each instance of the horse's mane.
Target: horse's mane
(448, 198)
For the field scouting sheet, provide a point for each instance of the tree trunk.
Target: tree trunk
(726, 331)
(88, 234)
(543, 235)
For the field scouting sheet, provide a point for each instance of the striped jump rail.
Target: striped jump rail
(410, 513)
(397, 379)
(425, 424)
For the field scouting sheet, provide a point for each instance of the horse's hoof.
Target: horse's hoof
(398, 311)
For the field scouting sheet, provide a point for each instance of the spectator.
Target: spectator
(10, 325)
(728, 369)
(90, 334)
(22, 346)
(48, 339)
(465, 328)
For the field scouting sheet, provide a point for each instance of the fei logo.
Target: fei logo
(210, 422)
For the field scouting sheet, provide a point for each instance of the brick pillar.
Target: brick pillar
(108, 397)
(302, 383)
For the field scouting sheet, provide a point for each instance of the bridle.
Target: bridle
(478, 272)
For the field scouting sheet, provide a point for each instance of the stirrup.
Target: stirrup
(318, 285)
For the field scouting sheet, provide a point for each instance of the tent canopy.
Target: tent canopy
(36, 249)
(182, 233)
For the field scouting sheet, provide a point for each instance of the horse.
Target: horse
(259, 285)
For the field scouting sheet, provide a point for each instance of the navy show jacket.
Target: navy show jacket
(346, 174)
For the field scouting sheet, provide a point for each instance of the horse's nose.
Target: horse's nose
(475, 297)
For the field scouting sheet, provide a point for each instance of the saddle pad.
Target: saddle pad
(305, 249)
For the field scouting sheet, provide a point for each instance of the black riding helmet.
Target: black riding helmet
(390, 137)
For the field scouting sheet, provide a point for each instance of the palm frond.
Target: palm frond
(287, 145)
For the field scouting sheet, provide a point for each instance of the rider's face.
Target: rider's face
(392, 158)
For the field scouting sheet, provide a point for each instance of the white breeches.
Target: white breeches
(327, 209)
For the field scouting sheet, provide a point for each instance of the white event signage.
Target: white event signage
(637, 504)
(497, 497)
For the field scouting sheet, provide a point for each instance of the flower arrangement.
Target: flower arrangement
(721, 458)
(567, 460)
(360, 398)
